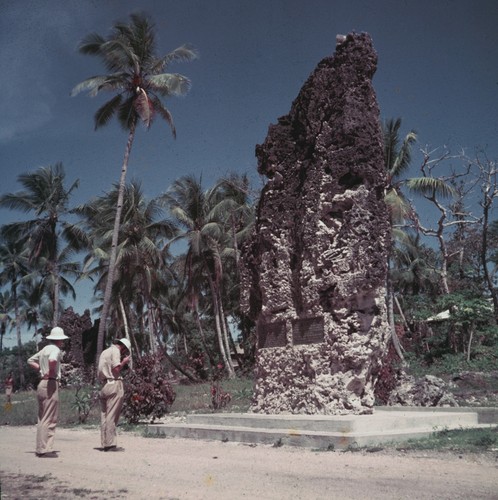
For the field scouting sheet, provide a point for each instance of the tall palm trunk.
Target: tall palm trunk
(54, 269)
(114, 244)
(125, 325)
(218, 321)
(226, 332)
(203, 336)
(20, 361)
(392, 325)
(55, 319)
(152, 327)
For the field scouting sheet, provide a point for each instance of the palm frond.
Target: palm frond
(107, 111)
(182, 217)
(127, 115)
(76, 236)
(430, 186)
(118, 54)
(403, 158)
(168, 84)
(17, 201)
(91, 44)
(398, 207)
(91, 84)
(185, 52)
(211, 230)
(164, 113)
(143, 38)
(397, 158)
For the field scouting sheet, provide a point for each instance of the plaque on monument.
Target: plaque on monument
(272, 334)
(308, 330)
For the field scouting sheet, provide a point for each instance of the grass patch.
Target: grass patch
(197, 398)
(24, 409)
(457, 440)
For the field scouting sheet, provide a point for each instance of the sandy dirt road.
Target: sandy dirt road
(189, 469)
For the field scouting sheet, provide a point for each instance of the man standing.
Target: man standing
(111, 362)
(48, 362)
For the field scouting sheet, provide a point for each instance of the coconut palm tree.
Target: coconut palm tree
(414, 271)
(6, 320)
(14, 268)
(236, 212)
(397, 160)
(211, 222)
(194, 210)
(46, 196)
(141, 260)
(35, 303)
(138, 81)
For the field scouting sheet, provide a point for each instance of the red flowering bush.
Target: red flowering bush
(388, 376)
(148, 393)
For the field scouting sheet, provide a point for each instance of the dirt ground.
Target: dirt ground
(153, 468)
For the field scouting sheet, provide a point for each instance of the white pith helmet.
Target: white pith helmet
(126, 343)
(57, 333)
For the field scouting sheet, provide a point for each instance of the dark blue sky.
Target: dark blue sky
(437, 69)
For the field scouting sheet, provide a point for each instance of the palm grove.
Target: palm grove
(184, 305)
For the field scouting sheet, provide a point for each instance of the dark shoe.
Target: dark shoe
(49, 454)
(113, 448)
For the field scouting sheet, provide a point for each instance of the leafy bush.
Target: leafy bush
(147, 390)
(483, 359)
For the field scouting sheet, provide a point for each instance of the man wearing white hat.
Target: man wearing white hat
(48, 362)
(112, 394)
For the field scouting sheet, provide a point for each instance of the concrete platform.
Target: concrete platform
(396, 424)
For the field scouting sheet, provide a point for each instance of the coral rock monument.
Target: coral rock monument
(314, 272)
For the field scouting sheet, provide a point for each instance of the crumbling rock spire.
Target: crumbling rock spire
(314, 272)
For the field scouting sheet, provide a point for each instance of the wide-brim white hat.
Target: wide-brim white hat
(125, 342)
(57, 333)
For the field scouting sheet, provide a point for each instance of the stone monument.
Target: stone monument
(314, 272)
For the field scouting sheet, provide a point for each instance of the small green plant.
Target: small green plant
(242, 394)
(85, 396)
(85, 399)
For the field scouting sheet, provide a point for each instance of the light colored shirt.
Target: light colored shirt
(49, 353)
(109, 359)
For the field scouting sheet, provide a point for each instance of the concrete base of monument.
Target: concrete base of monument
(386, 424)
